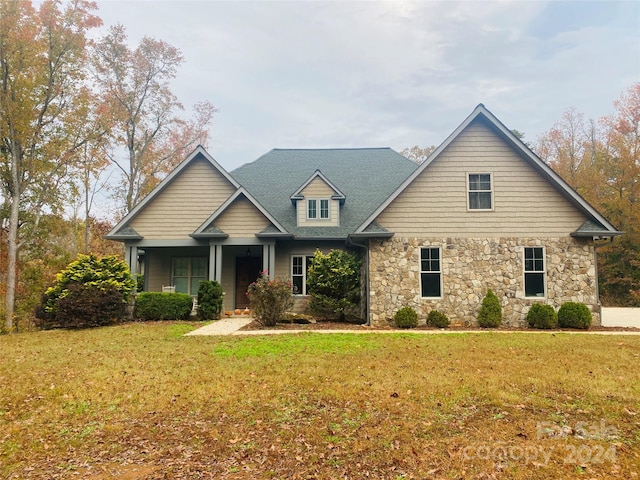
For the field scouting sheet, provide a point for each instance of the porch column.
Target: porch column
(131, 256)
(269, 259)
(215, 262)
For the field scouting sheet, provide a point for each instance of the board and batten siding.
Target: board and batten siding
(242, 219)
(318, 189)
(184, 204)
(524, 203)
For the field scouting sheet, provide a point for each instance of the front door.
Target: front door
(247, 271)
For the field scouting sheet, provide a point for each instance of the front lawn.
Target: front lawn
(140, 401)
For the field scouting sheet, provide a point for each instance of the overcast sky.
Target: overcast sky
(393, 74)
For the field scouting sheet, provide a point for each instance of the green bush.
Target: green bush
(94, 274)
(406, 317)
(437, 319)
(140, 283)
(84, 306)
(333, 281)
(88, 306)
(542, 316)
(270, 299)
(574, 315)
(490, 315)
(163, 306)
(210, 298)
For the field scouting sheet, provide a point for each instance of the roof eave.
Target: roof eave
(295, 237)
(596, 234)
(274, 235)
(208, 235)
(372, 235)
(122, 238)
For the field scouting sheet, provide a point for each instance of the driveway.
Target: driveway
(620, 317)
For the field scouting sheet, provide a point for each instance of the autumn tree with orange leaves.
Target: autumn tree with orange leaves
(148, 138)
(601, 161)
(42, 102)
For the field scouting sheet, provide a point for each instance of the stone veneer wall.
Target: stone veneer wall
(470, 266)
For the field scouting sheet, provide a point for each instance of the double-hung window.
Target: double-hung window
(312, 208)
(324, 208)
(318, 208)
(534, 272)
(480, 191)
(299, 267)
(430, 272)
(187, 273)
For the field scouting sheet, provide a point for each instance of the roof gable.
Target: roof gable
(480, 113)
(209, 229)
(119, 232)
(337, 195)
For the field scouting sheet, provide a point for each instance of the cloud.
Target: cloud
(328, 74)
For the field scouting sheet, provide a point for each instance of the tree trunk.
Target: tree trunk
(12, 250)
(87, 209)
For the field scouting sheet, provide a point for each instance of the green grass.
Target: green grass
(143, 401)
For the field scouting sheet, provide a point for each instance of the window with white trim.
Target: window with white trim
(318, 208)
(187, 273)
(312, 210)
(534, 272)
(430, 272)
(299, 267)
(480, 191)
(324, 208)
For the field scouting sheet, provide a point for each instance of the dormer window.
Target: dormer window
(318, 208)
(324, 208)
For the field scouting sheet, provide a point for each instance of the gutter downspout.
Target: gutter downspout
(595, 264)
(366, 278)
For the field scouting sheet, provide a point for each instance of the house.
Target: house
(481, 212)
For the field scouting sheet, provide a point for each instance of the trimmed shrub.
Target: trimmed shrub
(270, 299)
(163, 306)
(87, 306)
(437, 319)
(333, 281)
(84, 306)
(490, 315)
(209, 300)
(542, 316)
(574, 315)
(406, 317)
(140, 283)
(86, 276)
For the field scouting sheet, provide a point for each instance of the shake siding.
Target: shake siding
(242, 219)
(184, 204)
(318, 189)
(435, 204)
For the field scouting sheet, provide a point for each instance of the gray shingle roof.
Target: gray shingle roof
(366, 177)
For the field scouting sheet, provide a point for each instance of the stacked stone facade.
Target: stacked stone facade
(471, 266)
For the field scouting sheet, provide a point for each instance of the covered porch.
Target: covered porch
(181, 266)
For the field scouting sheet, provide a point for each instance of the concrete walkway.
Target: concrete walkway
(232, 326)
(224, 326)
